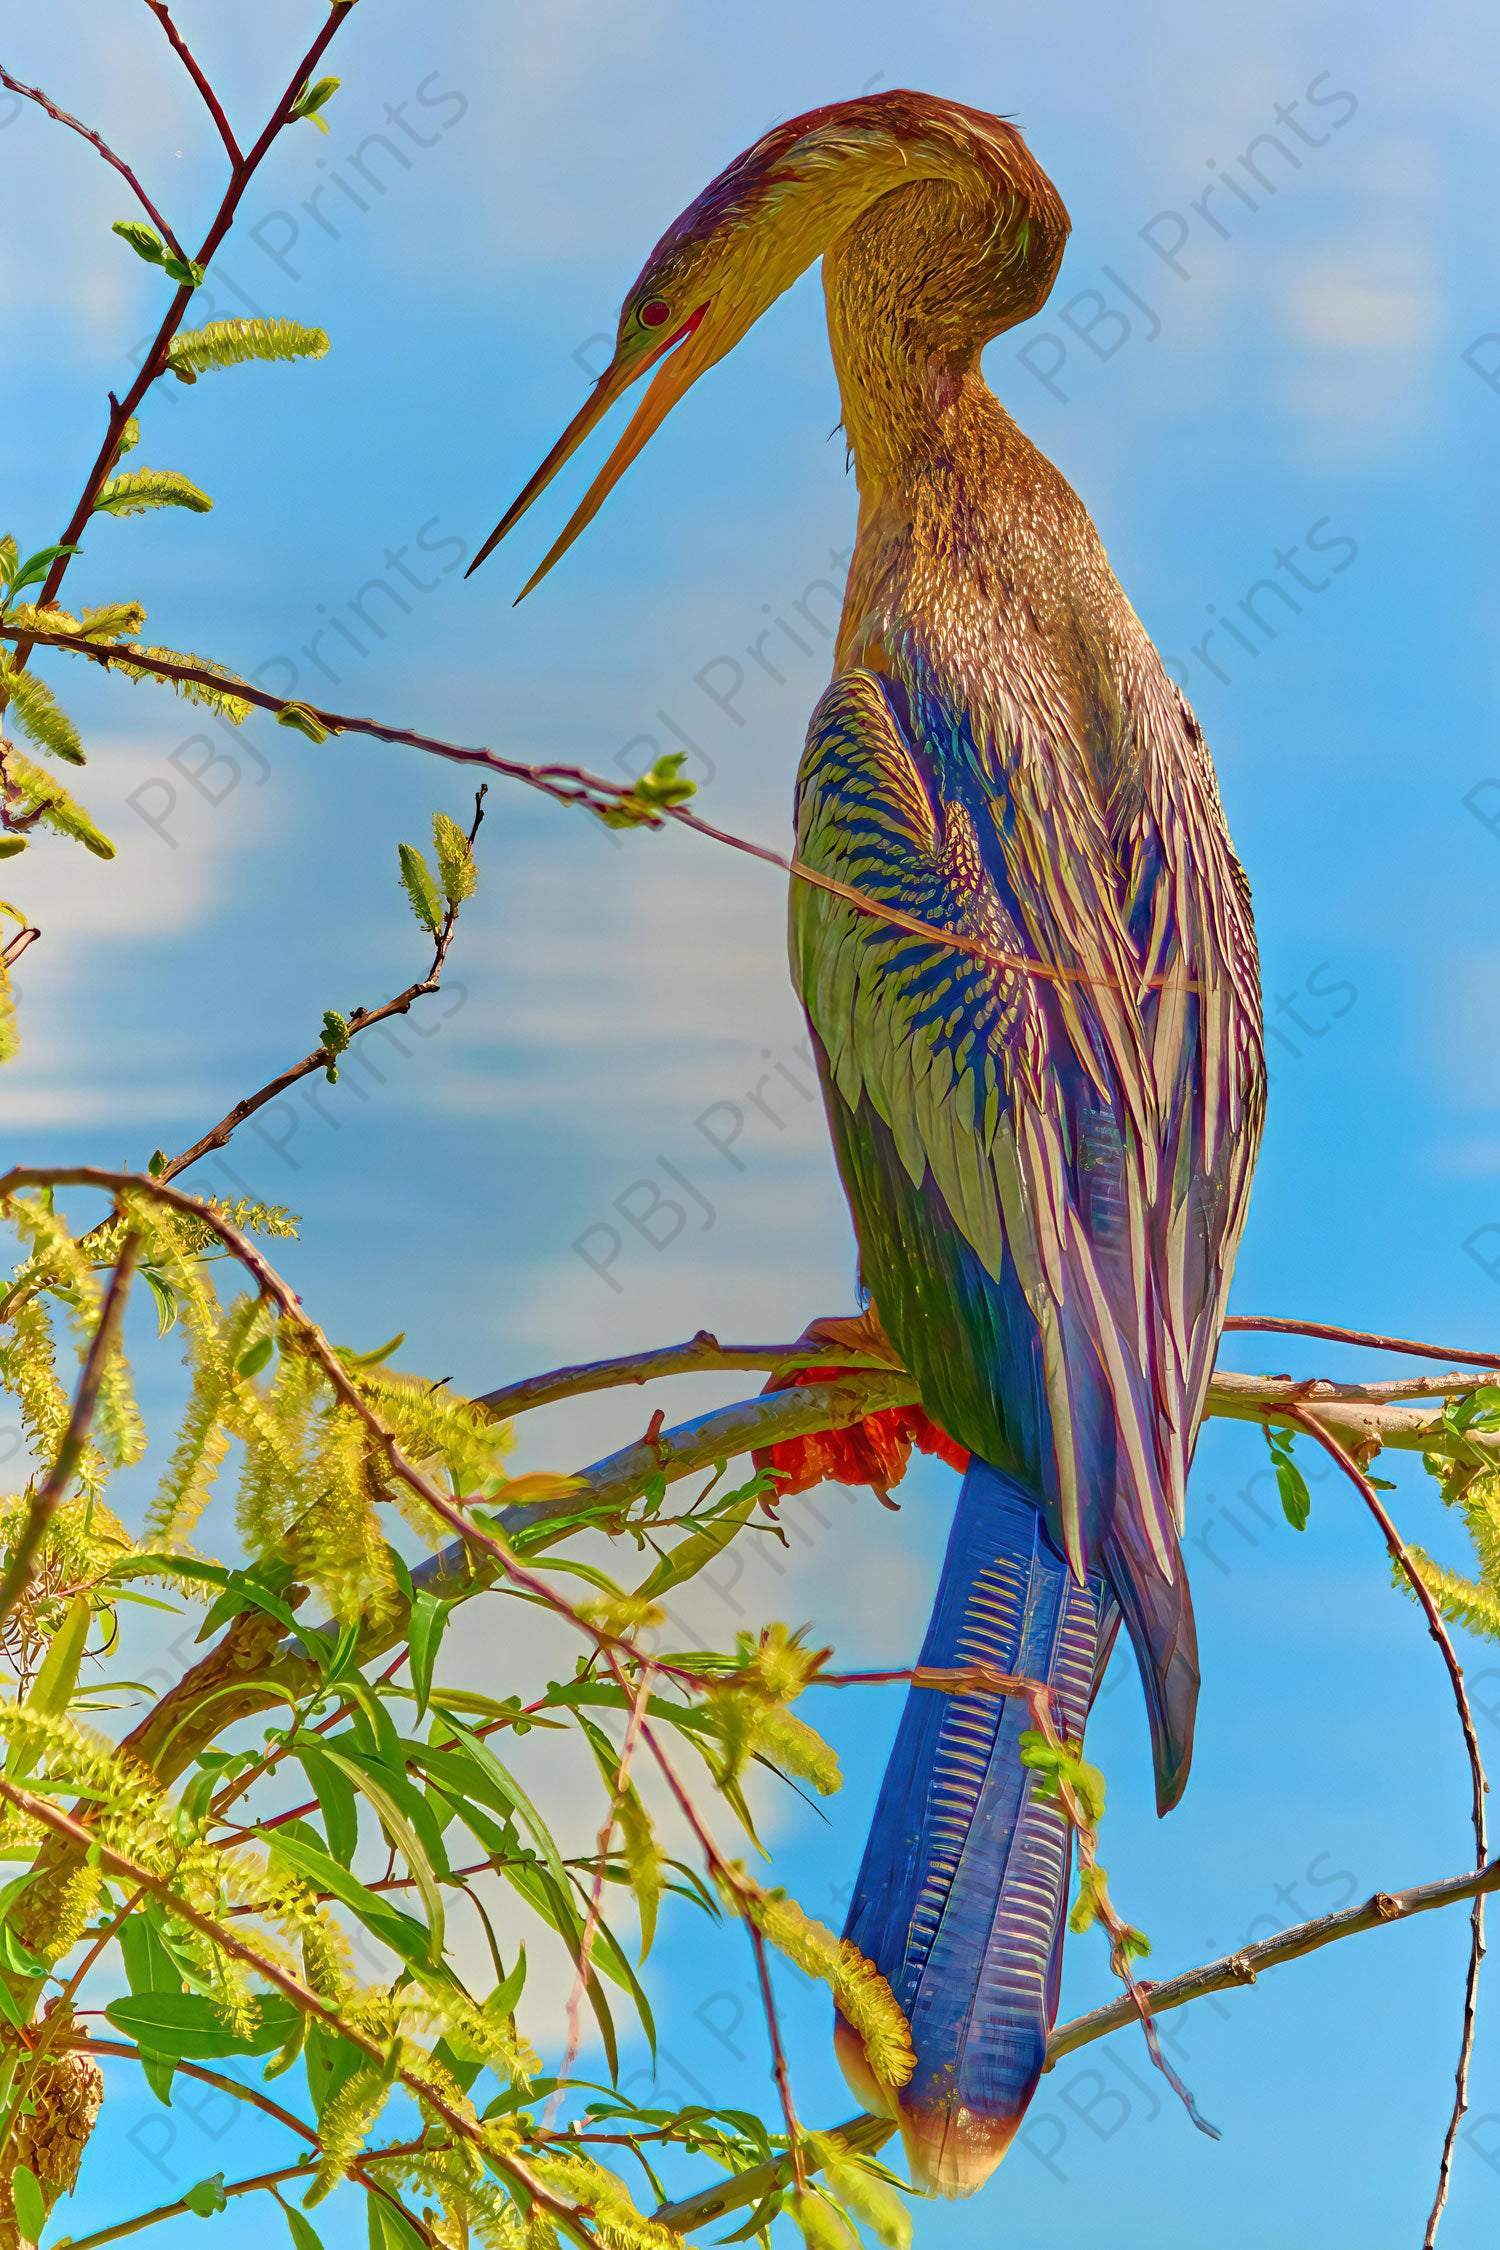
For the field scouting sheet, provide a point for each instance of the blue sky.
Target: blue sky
(1274, 401)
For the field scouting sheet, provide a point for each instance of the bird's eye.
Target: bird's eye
(654, 313)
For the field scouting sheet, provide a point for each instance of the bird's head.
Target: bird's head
(762, 222)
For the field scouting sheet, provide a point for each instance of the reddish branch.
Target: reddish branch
(565, 785)
(121, 409)
(1327, 1333)
(1401, 1556)
(95, 140)
(194, 69)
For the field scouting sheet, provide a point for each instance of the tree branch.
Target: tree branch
(1326, 1332)
(190, 63)
(322, 1058)
(76, 125)
(1400, 1555)
(151, 366)
(569, 785)
(1231, 1972)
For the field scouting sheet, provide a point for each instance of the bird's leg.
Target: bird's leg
(874, 1451)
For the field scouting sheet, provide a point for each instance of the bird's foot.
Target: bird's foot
(874, 1450)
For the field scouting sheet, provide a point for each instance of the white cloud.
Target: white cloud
(90, 910)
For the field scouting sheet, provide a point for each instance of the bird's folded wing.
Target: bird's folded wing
(1011, 1080)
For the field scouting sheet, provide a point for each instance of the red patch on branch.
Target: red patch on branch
(875, 1451)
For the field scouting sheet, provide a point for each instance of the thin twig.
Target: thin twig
(701, 1354)
(194, 69)
(1230, 1972)
(238, 2087)
(745, 1894)
(51, 1492)
(1401, 1556)
(575, 785)
(321, 1058)
(605, 1841)
(704, 1354)
(1326, 1332)
(76, 125)
(155, 360)
(261, 2182)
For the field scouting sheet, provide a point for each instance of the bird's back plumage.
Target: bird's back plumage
(1046, 1130)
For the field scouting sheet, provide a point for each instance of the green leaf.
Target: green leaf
(304, 2234)
(186, 270)
(232, 343)
(421, 890)
(133, 491)
(52, 1689)
(509, 1794)
(331, 2062)
(143, 240)
(1291, 1484)
(335, 1794)
(653, 793)
(425, 1630)
(698, 1549)
(189, 2025)
(164, 1297)
(35, 568)
(389, 2226)
(383, 1791)
(314, 97)
(31, 2210)
(207, 2197)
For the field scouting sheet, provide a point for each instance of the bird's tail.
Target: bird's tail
(961, 1895)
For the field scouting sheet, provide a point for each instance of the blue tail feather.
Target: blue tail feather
(961, 1895)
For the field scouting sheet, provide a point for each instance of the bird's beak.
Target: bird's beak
(678, 366)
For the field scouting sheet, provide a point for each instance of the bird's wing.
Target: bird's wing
(1187, 903)
(992, 1115)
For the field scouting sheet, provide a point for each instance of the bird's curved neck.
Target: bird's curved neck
(912, 298)
(948, 486)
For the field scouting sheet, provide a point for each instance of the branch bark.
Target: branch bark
(1231, 1972)
(75, 124)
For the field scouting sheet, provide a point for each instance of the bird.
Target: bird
(1025, 949)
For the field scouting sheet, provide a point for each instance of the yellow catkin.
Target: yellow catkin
(343, 2126)
(862, 1994)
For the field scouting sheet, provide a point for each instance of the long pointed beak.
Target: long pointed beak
(678, 367)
